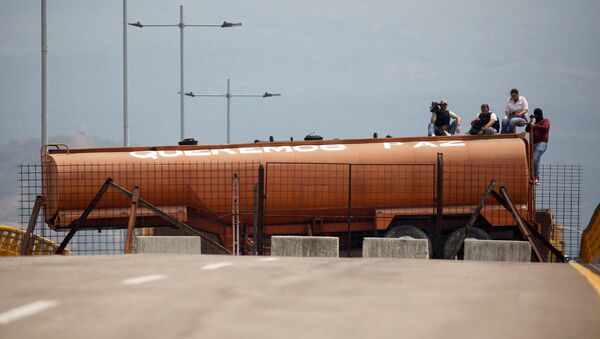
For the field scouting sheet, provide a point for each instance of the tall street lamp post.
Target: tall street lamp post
(44, 74)
(229, 95)
(181, 26)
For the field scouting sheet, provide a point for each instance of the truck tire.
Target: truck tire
(409, 232)
(454, 238)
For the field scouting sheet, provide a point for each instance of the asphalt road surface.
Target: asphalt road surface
(186, 296)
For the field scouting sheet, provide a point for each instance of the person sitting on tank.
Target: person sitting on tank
(485, 122)
(516, 110)
(440, 120)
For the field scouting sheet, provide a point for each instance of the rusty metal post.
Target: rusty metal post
(521, 223)
(260, 215)
(437, 230)
(254, 218)
(235, 214)
(32, 222)
(131, 223)
(349, 209)
(532, 178)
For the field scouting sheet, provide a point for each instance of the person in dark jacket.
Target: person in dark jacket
(541, 133)
(440, 121)
(485, 122)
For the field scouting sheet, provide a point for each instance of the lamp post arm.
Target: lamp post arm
(247, 95)
(188, 25)
(264, 95)
(140, 25)
(207, 95)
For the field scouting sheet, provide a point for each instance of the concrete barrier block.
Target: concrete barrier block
(497, 250)
(298, 246)
(167, 245)
(395, 248)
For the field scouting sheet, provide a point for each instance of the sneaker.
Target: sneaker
(447, 133)
(536, 182)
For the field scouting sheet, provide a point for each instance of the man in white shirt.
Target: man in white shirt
(516, 110)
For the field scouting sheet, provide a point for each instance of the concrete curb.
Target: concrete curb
(167, 245)
(395, 248)
(299, 246)
(497, 250)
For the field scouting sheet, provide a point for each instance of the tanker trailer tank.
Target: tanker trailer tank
(306, 183)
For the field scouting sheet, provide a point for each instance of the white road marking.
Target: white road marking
(143, 279)
(269, 259)
(26, 311)
(217, 266)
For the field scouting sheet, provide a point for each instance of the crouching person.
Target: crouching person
(485, 122)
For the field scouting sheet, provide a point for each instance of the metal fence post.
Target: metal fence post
(437, 243)
(131, 224)
(31, 226)
(235, 215)
(349, 208)
(255, 218)
(260, 215)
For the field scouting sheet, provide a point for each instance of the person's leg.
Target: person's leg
(452, 128)
(440, 130)
(489, 131)
(514, 122)
(504, 124)
(538, 149)
(430, 129)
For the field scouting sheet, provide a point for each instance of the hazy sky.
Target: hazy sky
(346, 69)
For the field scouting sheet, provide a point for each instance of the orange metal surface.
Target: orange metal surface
(495, 214)
(492, 153)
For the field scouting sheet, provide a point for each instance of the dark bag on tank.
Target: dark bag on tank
(476, 126)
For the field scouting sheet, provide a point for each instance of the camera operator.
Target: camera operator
(440, 120)
(485, 122)
(541, 133)
(516, 110)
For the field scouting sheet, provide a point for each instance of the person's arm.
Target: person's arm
(491, 123)
(458, 120)
(455, 116)
(507, 109)
(521, 114)
(433, 116)
(525, 109)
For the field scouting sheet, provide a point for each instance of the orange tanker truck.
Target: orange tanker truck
(390, 187)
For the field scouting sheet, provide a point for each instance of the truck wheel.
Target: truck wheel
(409, 232)
(454, 238)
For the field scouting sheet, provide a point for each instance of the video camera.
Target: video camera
(436, 107)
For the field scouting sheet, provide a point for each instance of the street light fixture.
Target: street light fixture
(181, 26)
(229, 95)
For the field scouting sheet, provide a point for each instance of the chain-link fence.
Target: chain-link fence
(559, 192)
(98, 241)
(349, 201)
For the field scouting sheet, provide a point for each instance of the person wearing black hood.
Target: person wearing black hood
(541, 133)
